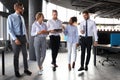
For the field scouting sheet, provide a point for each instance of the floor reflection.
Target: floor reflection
(62, 73)
(54, 76)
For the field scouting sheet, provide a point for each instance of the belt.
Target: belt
(55, 35)
(20, 35)
(87, 36)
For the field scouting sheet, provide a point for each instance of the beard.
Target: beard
(21, 12)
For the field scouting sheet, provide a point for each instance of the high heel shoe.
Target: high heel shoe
(73, 65)
(69, 67)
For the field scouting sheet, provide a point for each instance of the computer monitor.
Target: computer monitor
(115, 39)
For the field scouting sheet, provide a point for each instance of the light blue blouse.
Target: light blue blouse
(72, 34)
(13, 24)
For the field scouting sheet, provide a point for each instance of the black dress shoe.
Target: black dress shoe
(86, 68)
(54, 68)
(54, 65)
(81, 68)
(17, 74)
(27, 72)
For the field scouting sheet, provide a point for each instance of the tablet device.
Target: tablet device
(57, 30)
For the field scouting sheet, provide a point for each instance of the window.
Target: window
(64, 14)
(1, 6)
(3, 25)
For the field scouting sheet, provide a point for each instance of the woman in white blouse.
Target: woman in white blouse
(71, 32)
(39, 30)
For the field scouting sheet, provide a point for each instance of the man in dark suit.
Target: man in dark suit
(88, 30)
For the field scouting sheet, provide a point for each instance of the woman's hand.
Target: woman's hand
(82, 31)
(77, 44)
(39, 32)
(43, 32)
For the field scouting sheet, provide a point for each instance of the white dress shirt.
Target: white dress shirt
(54, 24)
(36, 27)
(91, 28)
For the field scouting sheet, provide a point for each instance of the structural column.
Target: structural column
(34, 7)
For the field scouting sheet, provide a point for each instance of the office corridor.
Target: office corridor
(99, 72)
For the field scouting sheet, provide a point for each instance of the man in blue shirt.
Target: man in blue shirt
(17, 31)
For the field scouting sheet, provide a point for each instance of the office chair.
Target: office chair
(108, 59)
(6, 44)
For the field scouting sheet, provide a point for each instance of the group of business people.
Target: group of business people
(88, 31)
(40, 31)
(53, 28)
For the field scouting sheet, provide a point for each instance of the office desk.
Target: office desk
(106, 47)
(64, 41)
(3, 60)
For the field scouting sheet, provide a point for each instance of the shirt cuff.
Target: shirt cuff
(14, 38)
(96, 40)
(36, 33)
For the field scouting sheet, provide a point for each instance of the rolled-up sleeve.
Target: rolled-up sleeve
(10, 28)
(33, 30)
(95, 32)
(66, 30)
(77, 37)
(48, 25)
(81, 26)
(61, 24)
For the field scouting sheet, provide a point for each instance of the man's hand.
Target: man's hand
(77, 44)
(17, 42)
(95, 43)
(82, 31)
(63, 27)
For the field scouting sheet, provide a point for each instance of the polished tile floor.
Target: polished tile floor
(99, 72)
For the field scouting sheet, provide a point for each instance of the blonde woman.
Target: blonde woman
(39, 30)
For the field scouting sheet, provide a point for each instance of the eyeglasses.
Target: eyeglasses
(22, 8)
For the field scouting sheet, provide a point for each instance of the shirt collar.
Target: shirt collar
(54, 20)
(39, 23)
(17, 14)
(72, 25)
(88, 19)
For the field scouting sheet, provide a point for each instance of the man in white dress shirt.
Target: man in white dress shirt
(54, 27)
(88, 31)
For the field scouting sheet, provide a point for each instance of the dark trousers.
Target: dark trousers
(55, 44)
(16, 51)
(86, 43)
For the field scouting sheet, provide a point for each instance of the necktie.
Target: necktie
(21, 27)
(86, 29)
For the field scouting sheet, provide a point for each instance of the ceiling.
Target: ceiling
(102, 8)
(9, 5)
